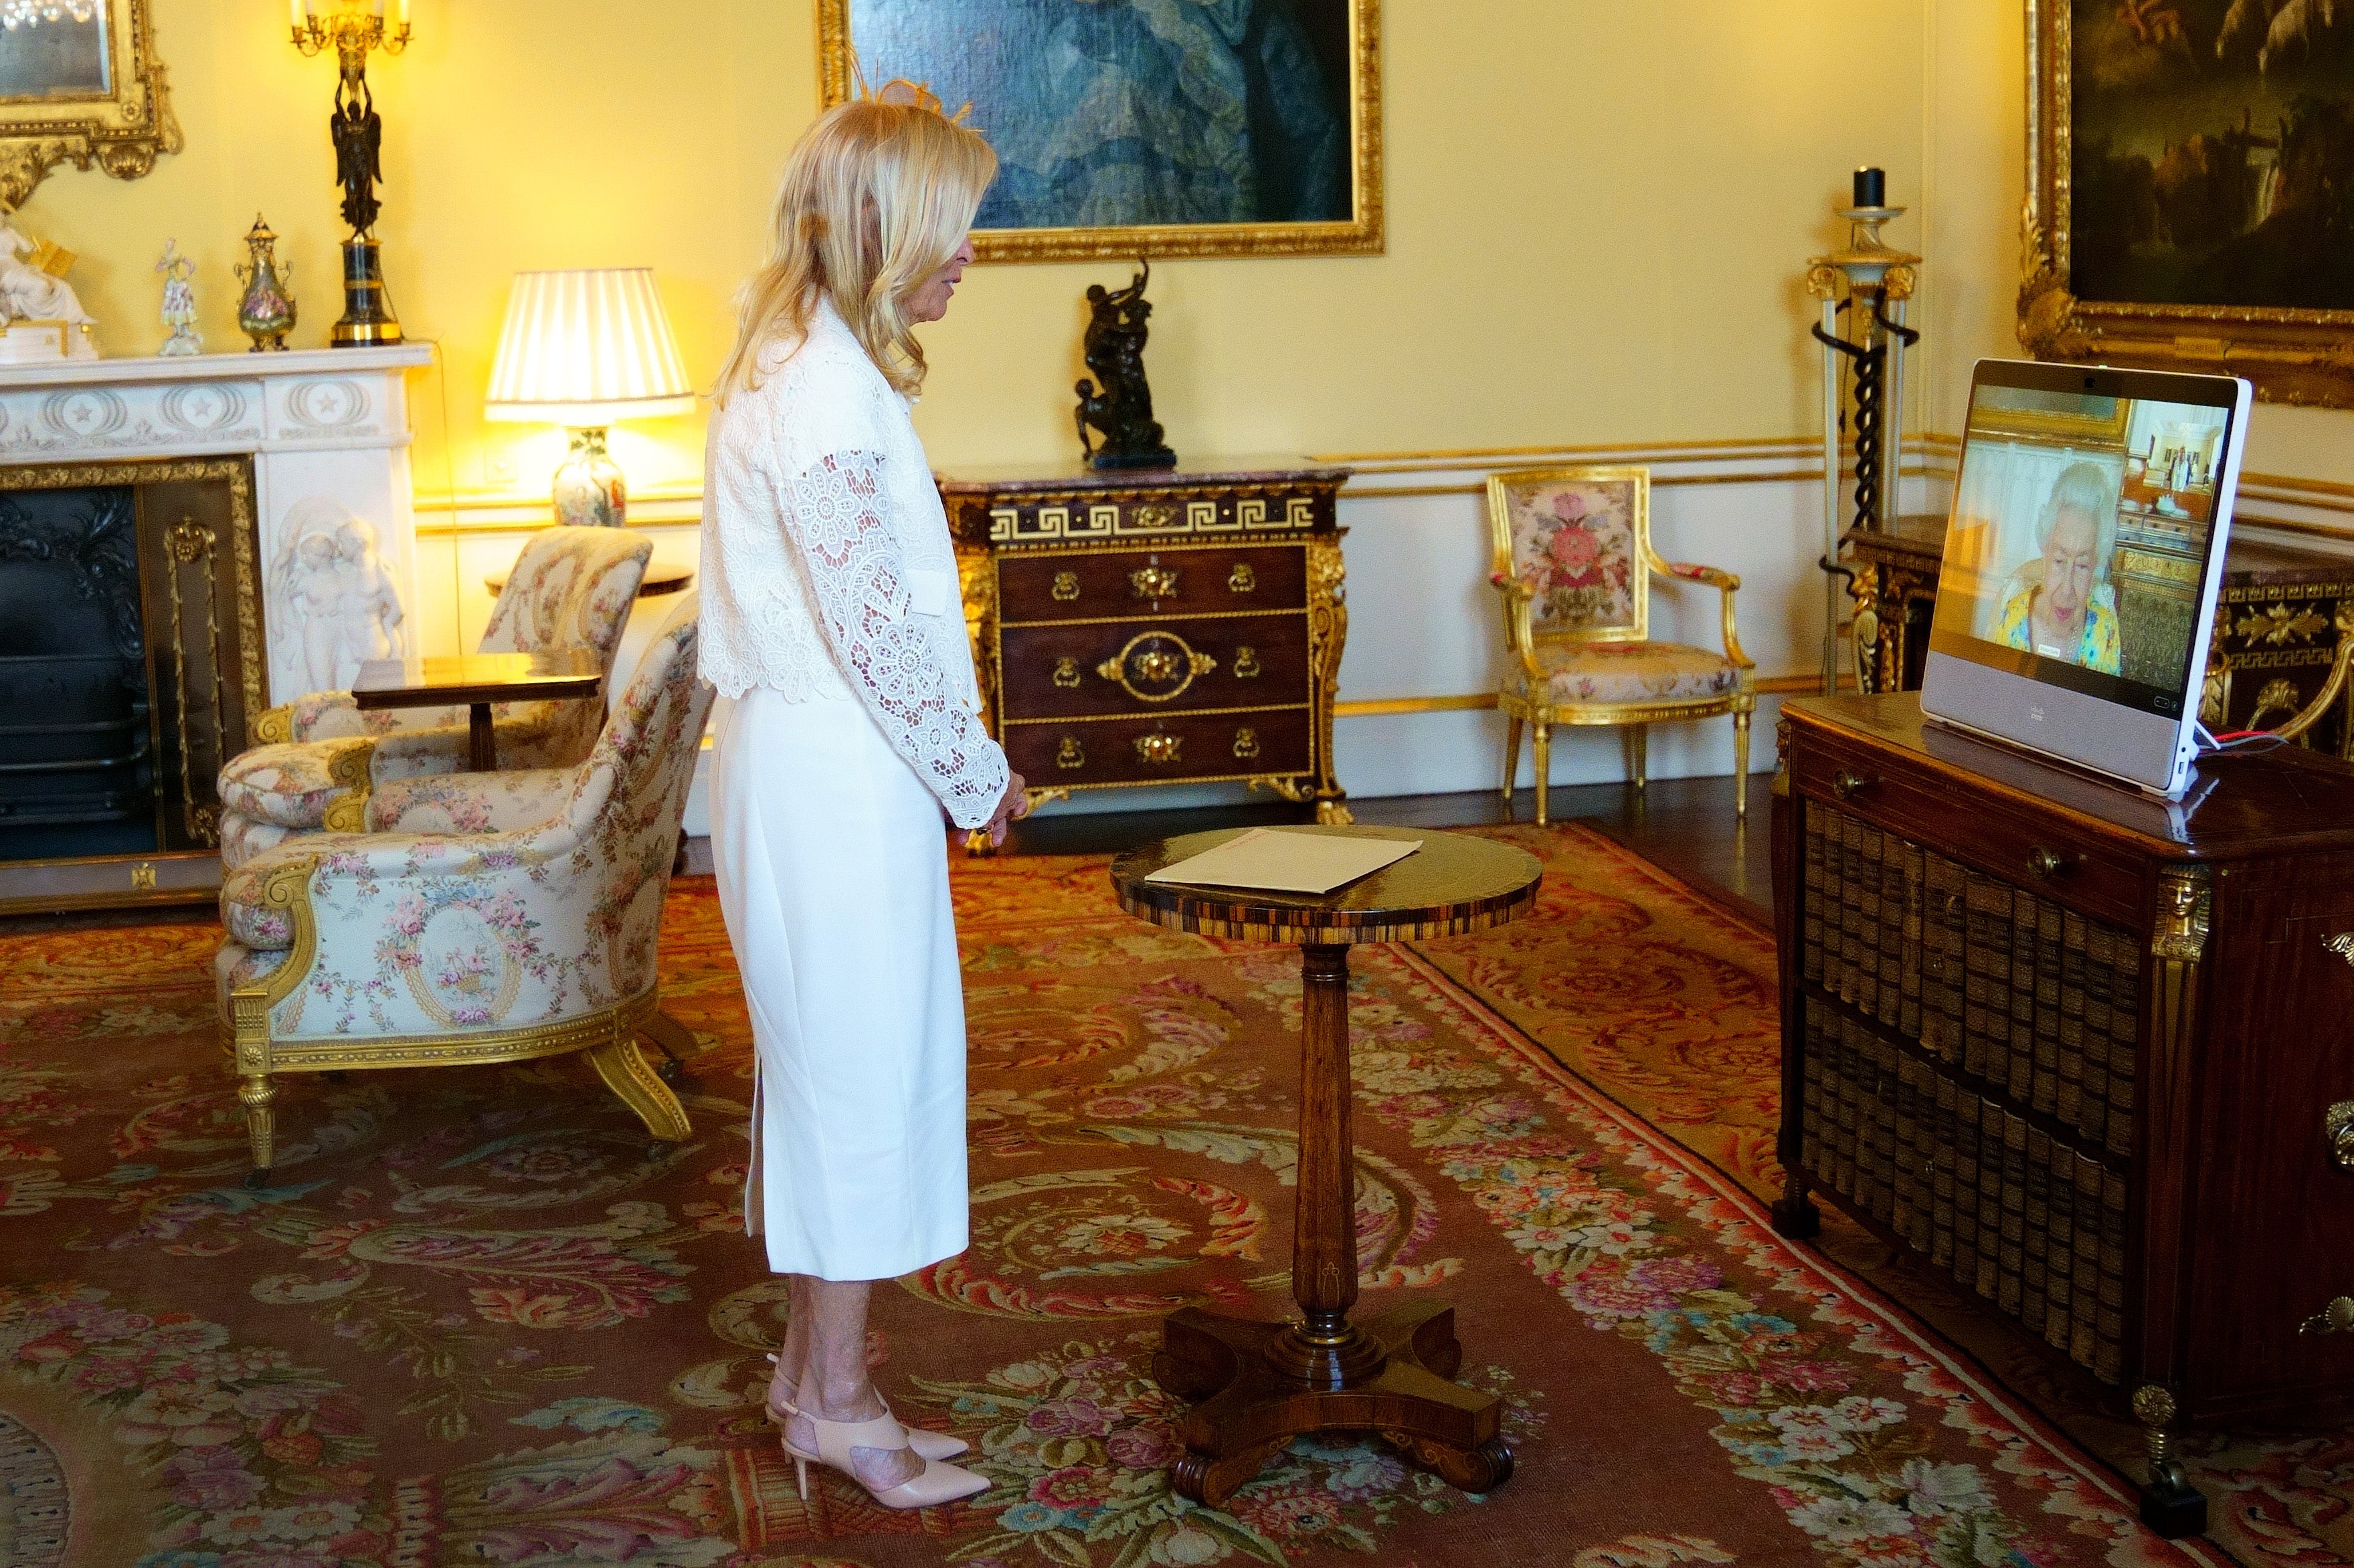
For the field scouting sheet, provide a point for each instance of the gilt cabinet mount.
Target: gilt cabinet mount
(1182, 626)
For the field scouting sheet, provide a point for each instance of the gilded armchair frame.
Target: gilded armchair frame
(608, 1035)
(1524, 638)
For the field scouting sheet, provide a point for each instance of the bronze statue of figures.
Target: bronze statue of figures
(358, 131)
(1121, 407)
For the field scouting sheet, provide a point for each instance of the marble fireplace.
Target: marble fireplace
(183, 542)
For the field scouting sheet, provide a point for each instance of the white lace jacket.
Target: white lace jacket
(827, 571)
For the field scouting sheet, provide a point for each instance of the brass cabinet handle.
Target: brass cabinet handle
(1246, 664)
(2337, 1126)
(1242, 579)
(1071, 753)
(1066, 672)
(1153, 582)
(1156, 667)
(1067, 586)
(2048, 864)
(1245, 742)
(1847, 785)
(2342, 945)
(1159, 747)
(2337, 1317)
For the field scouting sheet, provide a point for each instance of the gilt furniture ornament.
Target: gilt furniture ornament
(2079, 1049)
(179, 312)
(265, 312)
(1871, 283)
(1575, 564)
(584, 350)
(440, 937)
(45, 320)
(352, 28)
(1254, 1385)
(1174, 627)
(1121, 407)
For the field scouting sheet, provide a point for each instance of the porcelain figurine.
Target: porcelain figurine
(34, 292)
(179, 301)
(265, 311)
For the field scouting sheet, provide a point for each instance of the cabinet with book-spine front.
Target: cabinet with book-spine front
(2078, 1048)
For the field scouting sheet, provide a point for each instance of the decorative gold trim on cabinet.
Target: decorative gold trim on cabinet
(1181, 712)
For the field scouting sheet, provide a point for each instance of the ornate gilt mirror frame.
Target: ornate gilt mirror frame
(117, 115)
(2292, 355)
(1360, 234)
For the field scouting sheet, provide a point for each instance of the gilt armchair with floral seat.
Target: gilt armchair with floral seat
(481, 917)
(1573, 564)
(323, 756)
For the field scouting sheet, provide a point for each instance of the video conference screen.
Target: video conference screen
(2077, 548)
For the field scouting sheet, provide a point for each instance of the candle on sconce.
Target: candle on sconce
(1871, 188)
(302, 14)
(400, 14)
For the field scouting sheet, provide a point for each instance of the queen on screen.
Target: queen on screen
(2065, 607)
(848, 732)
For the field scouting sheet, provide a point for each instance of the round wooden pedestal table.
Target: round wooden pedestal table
(1256, 1385)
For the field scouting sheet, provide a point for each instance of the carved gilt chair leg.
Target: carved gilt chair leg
(1741, 764)
(1638, 755)
(1541, 742)
(259, 1095)
(1511, 756)
(631, 1077)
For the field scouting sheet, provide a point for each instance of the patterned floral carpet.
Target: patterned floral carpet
(475, 1321)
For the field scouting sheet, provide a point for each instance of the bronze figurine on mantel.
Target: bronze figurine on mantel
(1121, 408)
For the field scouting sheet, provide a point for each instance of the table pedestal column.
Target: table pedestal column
(1257, 1384)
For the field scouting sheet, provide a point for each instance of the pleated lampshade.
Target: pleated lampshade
(587, 348)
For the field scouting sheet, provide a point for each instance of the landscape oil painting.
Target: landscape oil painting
(2212, 155)
(1144, 127)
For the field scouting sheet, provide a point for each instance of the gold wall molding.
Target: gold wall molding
(1803, 685)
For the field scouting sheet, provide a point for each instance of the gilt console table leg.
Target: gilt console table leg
(1259, 1384)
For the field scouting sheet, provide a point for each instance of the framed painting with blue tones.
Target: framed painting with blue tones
(1145, 127)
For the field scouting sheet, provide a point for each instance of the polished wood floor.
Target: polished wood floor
(1684, 826)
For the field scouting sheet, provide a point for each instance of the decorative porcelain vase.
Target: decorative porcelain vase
(590, 493)
(266, 310)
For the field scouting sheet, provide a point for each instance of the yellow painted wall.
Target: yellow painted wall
(1597, 221)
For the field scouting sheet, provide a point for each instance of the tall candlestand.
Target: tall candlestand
(353, 28)
(1872, 284)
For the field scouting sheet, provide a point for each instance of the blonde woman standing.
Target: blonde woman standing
(848, 733)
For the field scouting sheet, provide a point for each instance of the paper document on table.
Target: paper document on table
(1287, 862)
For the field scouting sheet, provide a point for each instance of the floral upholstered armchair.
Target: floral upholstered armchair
(321, 756)
(1574, 562)
(481, 917)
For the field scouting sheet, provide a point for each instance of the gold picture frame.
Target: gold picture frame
(104, 102)
(1361, 233)
(2292, 355)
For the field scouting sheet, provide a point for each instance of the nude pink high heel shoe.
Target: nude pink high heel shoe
(937, 1483)
(928, 1445)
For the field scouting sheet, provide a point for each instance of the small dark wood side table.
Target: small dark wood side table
(475, 681)
(1256, 1384)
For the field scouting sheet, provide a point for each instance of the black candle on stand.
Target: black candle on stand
(1871, 188)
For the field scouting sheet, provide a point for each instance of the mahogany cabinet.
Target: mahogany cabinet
(1178, 626)
(2090, 1052)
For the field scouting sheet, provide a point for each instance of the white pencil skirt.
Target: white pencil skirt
(834, 878)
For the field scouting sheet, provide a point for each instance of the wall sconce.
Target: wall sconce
(353, 28)
(584, 350)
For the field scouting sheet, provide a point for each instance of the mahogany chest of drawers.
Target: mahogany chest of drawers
(1169, 627)
(2083, 1051)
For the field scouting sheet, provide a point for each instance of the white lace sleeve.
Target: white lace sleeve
(835, 516)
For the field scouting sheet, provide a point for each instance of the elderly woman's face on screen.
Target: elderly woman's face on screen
(2071, 564)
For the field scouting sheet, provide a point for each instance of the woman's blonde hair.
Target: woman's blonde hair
(877, 196)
